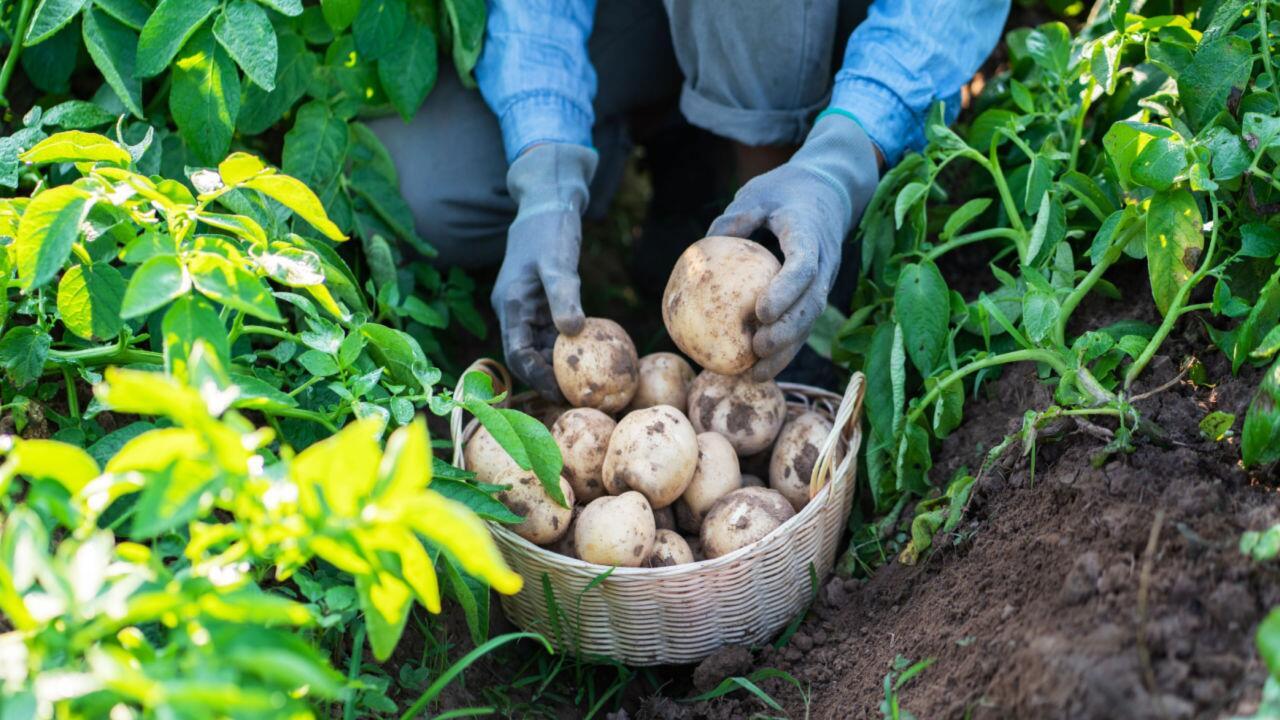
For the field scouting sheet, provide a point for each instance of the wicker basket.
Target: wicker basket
(684, 613)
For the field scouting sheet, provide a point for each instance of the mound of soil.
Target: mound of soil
(1079, 592)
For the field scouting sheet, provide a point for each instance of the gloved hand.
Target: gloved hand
(537, 290)
(810, 203)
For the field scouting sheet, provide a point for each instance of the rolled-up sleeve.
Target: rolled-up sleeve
(534, 72)
(908, 54)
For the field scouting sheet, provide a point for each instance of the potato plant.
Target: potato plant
(1150, 138)
(195, 488)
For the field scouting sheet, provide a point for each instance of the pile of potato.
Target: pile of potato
(654, 452)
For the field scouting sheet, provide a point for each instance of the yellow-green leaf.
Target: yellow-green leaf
(385, 602)
(238, 167)
(296, 196)
(406, 464)
(76, 146)
(89, 300)
(68, 465)
(453, 526)
(157, 450)
(343, 468)
(48, 229)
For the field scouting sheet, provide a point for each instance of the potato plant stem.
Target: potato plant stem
(1078, 131)
(19, 32)
(1176, 308)
(1047, 357)
(970, 238)
(1082, 290)
(992, 165)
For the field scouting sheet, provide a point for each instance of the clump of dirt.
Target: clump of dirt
(1076, 592)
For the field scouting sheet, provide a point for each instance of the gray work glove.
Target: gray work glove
(537, 290)
(810, 203)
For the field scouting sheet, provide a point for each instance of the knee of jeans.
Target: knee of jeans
(462, 230)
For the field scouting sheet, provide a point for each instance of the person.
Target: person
(561, 82)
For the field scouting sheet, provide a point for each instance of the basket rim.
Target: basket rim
(817, 502)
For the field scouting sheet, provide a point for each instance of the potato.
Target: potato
(616, 530)
(583, 435)
(717, 475)
(669, 549)
(752, 481)
(597, 367)
(664, 380)
(664, 518)
(544, 520)
(709, 306)
(741, 518)
(485, 457)
(795, 455)
(653, 451)
(749, 414)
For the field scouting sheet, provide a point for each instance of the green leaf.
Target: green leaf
(50, 64)
(921, 306)
(1218, 67)
(544, 453)
(1050, 46)
(1263, 316)
(51, 16)
(76, 115)
(1260, 439)
(1216, 425)
(1269, 345)
(1263, 131)
(408, 74)
(948, 411)
(1259, 241)
(114, 47)
(1039, 178)
(384, 197)
(23, 351)
(479, 501)
(89, 299)
(227, 283)
(1268, 640)
(76, 146)
(318, 363)
(1040, 311)
(296, 196)
(188, 320)
(170, 26)
(1089, 193)
(205, 97)
(339, 13)
(292, 8)
(910, 194)
(1049, 230)
(377, 26)
(245, 31)
(963, 216)
(466, 19)
(155, 283)
(1161, 163)
(1174, 241)
(396, 352)
(132, 13)
(294, 71)
(48, 229)
(316, 147)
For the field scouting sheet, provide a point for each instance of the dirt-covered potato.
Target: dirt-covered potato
(669, 549)
(752, 481)
(709, 306)
(741, 518)
(615, 531)
(717, 475)
(794, 456)
(485, 457)
(748, 414)
(545, 521)
(664, 518)
(583, 435)
(664, 380)
(597, 367)
(653, 451)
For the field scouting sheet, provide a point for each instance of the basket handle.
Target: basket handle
(846, 424)
(502, 383)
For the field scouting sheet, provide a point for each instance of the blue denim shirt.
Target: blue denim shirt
(535, 74)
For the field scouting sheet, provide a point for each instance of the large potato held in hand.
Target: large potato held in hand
(598, 367)
(664, 380)
(486, 458)
(545, 521)
(709, 306)
(748, 414)
(741, 518)
(795, 455)
(615, 531)
(583, 435)
(717, 475)
(653, 451)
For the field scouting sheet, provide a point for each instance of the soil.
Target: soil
(1076, 592)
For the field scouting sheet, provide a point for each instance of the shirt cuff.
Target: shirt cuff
(543, 117)
(886, 119)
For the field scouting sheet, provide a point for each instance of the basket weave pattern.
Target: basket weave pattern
(684, 613)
